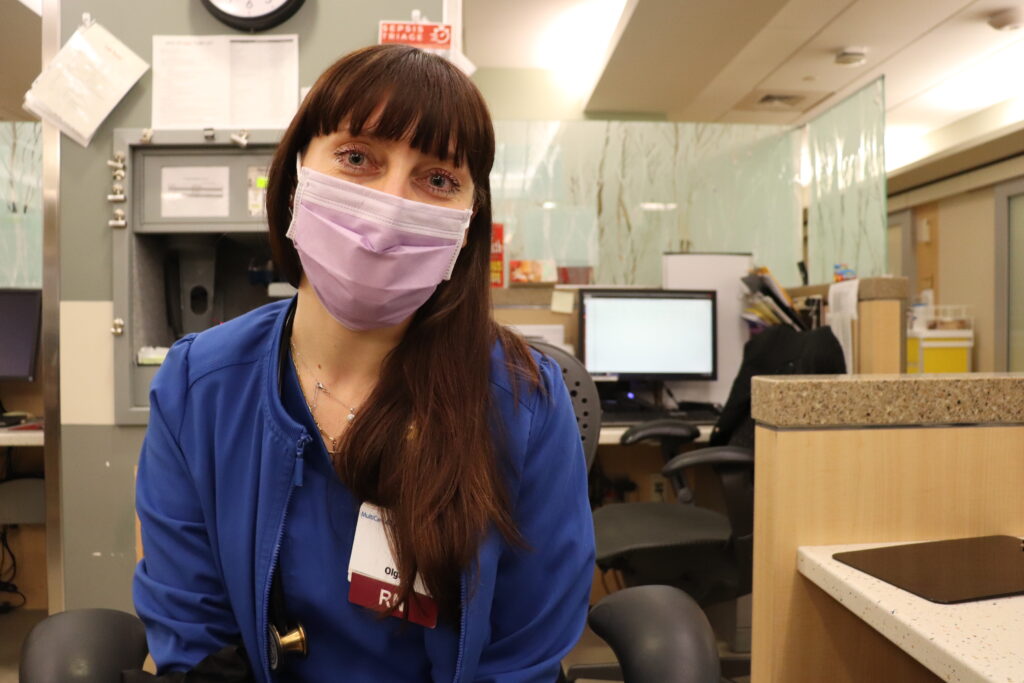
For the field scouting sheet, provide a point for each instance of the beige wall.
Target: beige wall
(967, 250)
(526, 94)
(958, 260)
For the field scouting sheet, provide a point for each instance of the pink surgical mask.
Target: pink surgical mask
(372, 258)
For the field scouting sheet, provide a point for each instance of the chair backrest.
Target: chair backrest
(83, 646)
(585, 401)
(659, 635)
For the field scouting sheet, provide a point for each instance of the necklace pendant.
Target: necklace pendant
(351, 416)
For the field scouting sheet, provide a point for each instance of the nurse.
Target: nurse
(376, 460)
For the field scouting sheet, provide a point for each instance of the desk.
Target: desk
(20, 437)
(610, 436)
(971, 642)
(870, 459)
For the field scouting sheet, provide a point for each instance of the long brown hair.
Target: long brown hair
(424, 449)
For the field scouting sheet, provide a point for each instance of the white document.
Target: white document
(225, 81)
(842, 311)
(84, 82)
(195, 192)
(551, 334)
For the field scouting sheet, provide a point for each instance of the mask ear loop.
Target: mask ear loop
(295, 196)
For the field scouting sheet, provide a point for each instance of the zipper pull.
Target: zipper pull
(300, 462)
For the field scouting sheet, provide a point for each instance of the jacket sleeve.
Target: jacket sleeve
(178, 590)
(542, 593)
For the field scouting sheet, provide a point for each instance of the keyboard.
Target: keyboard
(628, 418)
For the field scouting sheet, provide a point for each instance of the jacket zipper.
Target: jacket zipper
(297, 477)
(462, 628)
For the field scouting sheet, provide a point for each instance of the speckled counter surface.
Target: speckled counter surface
(881, 400)
(968, 642)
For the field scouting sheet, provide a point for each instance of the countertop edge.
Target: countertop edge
(888, 400)
(894, 627)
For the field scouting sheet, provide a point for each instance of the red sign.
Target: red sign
(423, 36)
(497, 255)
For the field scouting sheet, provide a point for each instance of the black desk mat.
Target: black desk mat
(959, 570)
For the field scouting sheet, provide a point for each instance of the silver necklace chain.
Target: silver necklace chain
(320, 388)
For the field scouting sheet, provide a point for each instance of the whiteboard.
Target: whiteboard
(722, 273)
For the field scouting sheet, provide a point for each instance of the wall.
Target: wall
(98, 458)
(526, 94)
(966, 228)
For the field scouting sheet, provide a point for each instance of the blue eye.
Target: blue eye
(352, 158)
(442, 182)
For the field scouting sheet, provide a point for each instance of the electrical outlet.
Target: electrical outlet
(659, 488)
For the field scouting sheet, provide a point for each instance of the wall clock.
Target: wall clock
(252, 15)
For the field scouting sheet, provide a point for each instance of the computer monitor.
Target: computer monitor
(643, 334)
(20, 311)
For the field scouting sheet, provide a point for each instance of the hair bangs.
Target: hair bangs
(403, 93)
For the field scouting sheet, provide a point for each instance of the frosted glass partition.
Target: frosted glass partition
(615, 195)
(847, 221)
(21, 217)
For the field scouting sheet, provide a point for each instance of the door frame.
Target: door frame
(1003, 192)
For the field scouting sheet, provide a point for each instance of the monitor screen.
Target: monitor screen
(656, 334)
(20, 310)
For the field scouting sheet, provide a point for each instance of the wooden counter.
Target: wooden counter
(870, 460)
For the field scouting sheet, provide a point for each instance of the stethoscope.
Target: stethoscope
(284, 637)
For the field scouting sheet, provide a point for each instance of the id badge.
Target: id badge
(373, 573)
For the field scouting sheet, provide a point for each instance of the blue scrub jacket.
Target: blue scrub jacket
(218, 465)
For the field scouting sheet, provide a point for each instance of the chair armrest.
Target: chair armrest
(716, 455)
(668, 428)
(659, 635)
(85, 645)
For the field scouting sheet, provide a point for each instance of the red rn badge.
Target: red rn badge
(373, 574)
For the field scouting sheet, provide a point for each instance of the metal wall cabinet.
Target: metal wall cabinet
(161, 260)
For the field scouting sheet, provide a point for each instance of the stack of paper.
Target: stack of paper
(84, 82)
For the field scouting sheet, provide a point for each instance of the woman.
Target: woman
(376, 460)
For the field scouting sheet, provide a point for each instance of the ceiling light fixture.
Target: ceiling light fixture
(1007, 20)
(852, 56)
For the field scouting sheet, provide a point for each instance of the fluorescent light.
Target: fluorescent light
(658, 206)
(574, 44)
(548, 205)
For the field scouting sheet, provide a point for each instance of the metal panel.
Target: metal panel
(137, 287)
(100, 515)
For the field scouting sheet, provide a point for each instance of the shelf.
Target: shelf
(22, 437)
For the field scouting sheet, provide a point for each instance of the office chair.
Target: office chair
(706, 553)
(83, 646)
(585, 400)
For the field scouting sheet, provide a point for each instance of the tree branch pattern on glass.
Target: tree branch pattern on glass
(21, 220)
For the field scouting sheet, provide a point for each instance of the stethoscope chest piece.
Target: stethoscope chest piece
(291, 643)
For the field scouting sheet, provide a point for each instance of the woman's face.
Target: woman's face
(391, 166)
